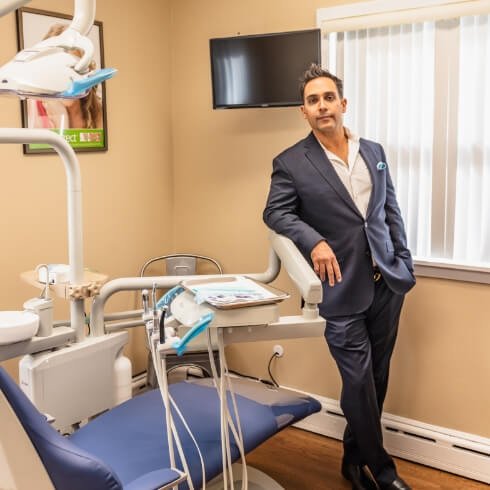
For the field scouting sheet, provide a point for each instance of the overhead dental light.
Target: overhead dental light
(50, 68)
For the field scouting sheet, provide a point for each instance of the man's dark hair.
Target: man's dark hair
(316, 71)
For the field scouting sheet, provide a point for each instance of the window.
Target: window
(419, 83)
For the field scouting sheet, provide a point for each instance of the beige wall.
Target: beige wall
(441, 365)
(202, 176)
(127, 191)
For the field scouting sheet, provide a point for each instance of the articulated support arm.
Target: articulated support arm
(300, 272)
(7, 6)
(75, 36)
(82, 20)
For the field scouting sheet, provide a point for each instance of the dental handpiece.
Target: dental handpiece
(162, 324)
(145, 299)
(155, 309)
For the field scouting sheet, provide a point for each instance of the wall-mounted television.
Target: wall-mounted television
(261, 70)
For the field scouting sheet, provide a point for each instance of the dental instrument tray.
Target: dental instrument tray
(233, 292)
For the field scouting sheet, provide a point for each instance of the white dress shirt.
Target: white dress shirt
(355, 176)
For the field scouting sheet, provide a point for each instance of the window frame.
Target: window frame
(424, 267)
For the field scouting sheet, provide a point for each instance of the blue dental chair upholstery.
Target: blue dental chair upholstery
(126, 447)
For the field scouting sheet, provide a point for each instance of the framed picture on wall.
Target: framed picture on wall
(82, 122)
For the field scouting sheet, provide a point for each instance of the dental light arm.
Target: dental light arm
(84, 16)
(7, 6)
(74, 198)
(74, 36)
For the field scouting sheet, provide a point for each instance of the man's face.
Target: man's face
(323, 108)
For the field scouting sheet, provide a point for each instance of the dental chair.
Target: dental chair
(126, 447)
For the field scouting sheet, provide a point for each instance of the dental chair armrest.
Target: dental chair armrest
(300, 272)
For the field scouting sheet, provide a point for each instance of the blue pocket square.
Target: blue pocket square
(381, 165)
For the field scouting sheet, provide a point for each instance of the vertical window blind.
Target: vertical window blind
(423, 90)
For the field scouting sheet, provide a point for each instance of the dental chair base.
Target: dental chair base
(257, 480)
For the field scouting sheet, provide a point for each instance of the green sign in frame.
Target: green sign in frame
(77, 138)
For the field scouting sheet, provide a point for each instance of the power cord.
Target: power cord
(269, 369)
(273, 382)
(265, 381)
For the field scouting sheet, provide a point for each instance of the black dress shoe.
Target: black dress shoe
(396, 484)
(358, 477)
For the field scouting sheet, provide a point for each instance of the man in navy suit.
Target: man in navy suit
(332, 194)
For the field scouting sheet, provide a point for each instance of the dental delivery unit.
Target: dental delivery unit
(185, 435)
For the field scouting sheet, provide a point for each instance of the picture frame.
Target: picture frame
(82, 122)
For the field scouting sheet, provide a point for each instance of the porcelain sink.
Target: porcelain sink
(16, 326)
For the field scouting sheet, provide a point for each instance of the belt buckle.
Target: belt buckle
(376, 276)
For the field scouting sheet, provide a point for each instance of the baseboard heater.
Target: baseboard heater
(457, 452)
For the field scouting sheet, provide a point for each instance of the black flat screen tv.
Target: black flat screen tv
(261, 70)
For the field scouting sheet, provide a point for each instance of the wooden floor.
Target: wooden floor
(301, 460)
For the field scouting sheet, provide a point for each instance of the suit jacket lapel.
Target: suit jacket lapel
(371, 162)
(316, 155)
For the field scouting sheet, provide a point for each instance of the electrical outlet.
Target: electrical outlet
(278, 350)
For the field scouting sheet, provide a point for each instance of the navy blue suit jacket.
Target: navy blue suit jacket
(308, 203)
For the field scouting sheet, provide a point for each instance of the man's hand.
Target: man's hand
(325, 263)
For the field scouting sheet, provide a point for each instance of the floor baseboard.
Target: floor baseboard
(457, 452)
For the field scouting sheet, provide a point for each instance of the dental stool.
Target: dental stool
(126, 447)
